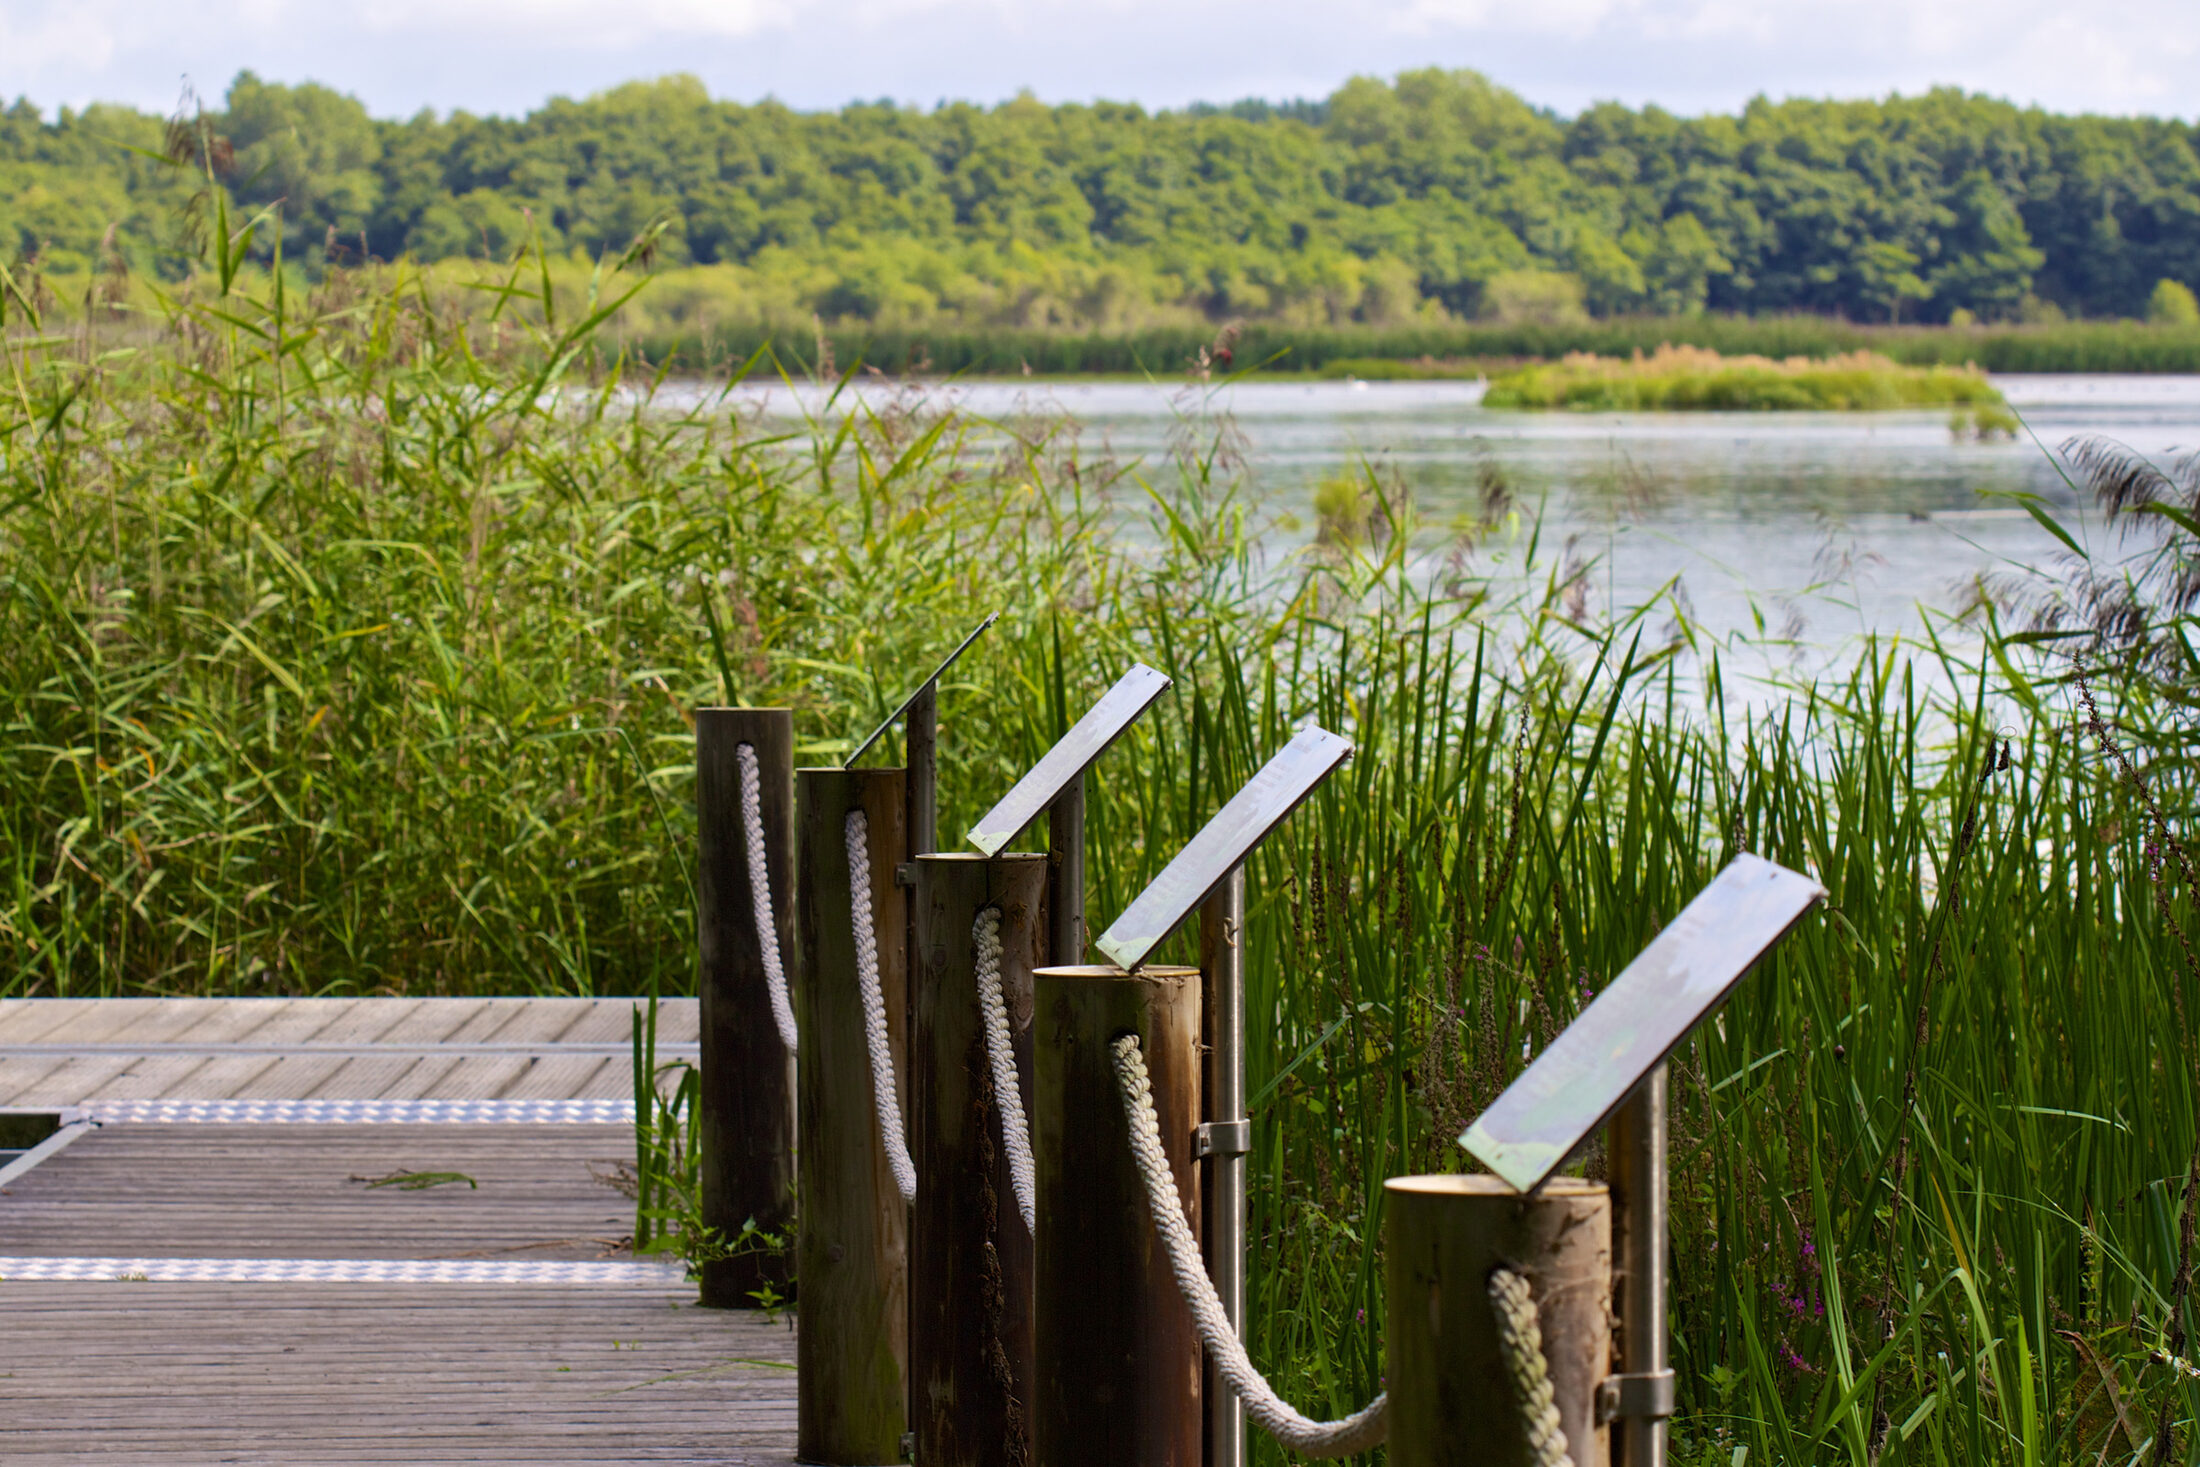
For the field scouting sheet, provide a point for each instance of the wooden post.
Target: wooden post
(1118, 1364)
(1450, 1397)
(747, 1073)
(969, 1254)
(1228, 1137)
(852, 1348)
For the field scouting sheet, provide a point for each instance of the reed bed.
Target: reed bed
(352, 642)
(1687, 378)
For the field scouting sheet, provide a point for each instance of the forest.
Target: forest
(1435, 197)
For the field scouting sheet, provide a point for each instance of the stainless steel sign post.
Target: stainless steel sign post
(922, 709)
(1208, 875)
(1056, 786)
(1609, 1064)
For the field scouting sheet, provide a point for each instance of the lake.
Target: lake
(1790, 535)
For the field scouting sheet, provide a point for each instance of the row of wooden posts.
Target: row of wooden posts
(946, 1334)
(928, 1328)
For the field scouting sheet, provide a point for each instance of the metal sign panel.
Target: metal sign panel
(1574, 1086)
(937, 672)
(1134, 692)
(1222, 843)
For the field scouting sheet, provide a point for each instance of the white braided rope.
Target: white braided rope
(1520, 1341)
(1015, 1131)
(1358, 1432)
(874, 1008)
(760, 893)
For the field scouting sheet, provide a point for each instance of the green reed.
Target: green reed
(352, 641)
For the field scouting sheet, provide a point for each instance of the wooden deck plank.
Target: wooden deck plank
(568, 1077)
(292, 1021)
(24, 1075)
(433, 1021)
(287, 1191)
(78, 1078)
(150, 1077)
(367, 1373)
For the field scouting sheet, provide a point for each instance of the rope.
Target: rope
(760, 894)
(1358, 1432)
(1015, 1132)
(874, 1008)
(1520, 1341)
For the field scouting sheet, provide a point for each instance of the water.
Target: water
(1783, 538)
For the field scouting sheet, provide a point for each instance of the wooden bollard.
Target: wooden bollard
(851, 1350)
(1451, 1399)
(747, 1119)
(969, 1254)
(1118, 1364)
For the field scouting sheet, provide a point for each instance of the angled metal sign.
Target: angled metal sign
(1134, 692)
(1222, 843)
(1574, 1086)
(937, 673)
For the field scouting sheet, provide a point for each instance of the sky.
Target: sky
(1690, 56)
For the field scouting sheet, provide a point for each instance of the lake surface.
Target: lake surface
(1789, 535)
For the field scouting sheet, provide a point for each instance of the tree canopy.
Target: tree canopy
(1437, 193)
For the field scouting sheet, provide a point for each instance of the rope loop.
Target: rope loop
(760, 893)
(858, 831)
(1358, 1432)
(1007, 1096)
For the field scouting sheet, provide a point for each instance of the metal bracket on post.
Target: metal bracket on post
(1223, 1138)
(1647, 1396)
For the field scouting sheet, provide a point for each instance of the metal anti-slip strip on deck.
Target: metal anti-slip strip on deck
(361, 1112)
(627, 1273)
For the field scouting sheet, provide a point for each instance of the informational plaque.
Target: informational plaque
(1134, 692)
(1222, 843)
(937, 673)
(1689, 968)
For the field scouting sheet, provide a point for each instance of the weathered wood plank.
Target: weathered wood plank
(369, 1373)
(287, 1192)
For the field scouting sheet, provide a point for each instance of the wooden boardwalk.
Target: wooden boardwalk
(180, 1284)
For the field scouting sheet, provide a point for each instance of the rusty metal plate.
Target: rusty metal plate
(937, 673)
(1222, 843)
(1134, 692)
(1574, 1086)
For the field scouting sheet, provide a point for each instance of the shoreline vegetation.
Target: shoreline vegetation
(681, 320)
(354, 641)
(1434, 215)
(1690, 379)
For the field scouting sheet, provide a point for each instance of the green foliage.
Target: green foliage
(1692, 379)
(1438, 194)
(2173, 304)
(351, 641)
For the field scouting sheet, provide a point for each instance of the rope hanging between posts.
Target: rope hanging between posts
(874, 1008)
(760, 893)
(1520, 1341)
(1361, 1430)
(1015, 1131)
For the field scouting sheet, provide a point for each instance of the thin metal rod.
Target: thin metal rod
(1639, 1226)
(1222, 1011)
(1066, 877)
(924, 770)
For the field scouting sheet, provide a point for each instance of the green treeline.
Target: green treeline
(1432, 199)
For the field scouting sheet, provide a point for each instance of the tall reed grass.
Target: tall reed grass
(351, 646)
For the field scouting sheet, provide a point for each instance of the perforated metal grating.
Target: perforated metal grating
(619, 1273)
(362, 1112)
